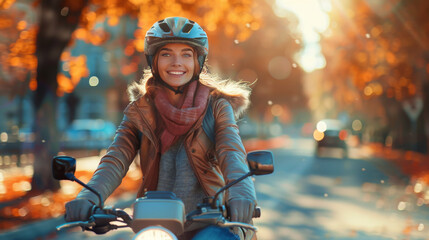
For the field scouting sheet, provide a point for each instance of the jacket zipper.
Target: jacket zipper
(190, 156)
(193, 168)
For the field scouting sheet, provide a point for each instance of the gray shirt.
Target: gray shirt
(176, 175)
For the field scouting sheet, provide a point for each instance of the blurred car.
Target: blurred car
(330, 134)
(89, 134)
(16, 141)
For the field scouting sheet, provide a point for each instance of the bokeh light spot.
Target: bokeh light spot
(3, 137)
(418, 188)
(277, 110)
(368, 91)
(321, 126)
(279, 68)
(93, 81)
(402, 206)
(317, 135)
(357, 125)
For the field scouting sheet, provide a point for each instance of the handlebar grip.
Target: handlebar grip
(256, 212)
(97, 210)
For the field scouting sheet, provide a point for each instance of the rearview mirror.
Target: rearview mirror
(260, 162)
(63, 167)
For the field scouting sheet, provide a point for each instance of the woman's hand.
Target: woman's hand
(241, 209)
(78, 210)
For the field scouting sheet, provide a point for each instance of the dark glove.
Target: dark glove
(241, 209)
(78, 210)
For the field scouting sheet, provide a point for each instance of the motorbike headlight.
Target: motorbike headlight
(155, 233)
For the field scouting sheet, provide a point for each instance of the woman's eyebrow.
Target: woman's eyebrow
(188, 49)
(183, 50)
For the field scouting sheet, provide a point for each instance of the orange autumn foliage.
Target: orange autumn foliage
(378, 47)
(48, 204)
(232, 17)
(77, 68)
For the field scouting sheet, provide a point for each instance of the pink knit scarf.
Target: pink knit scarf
(178, 121)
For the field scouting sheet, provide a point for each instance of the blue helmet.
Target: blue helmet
(176, 30)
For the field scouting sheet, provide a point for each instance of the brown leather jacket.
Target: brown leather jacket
(213, 164)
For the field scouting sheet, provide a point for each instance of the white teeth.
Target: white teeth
(176, 73)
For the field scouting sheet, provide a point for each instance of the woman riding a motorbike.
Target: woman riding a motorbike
(163, 124)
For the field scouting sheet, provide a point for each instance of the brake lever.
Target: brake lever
(229, 224)
(83, 224)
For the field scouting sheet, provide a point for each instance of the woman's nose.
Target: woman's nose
(176, 61)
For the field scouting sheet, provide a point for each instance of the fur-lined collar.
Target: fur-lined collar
(239, 102)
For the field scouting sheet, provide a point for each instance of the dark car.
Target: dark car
(331, 136)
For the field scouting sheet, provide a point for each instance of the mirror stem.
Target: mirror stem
(228, 186)
(100, 199)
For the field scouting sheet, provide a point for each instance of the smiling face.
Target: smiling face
(176, 64)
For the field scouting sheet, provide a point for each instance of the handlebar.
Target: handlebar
(100, 220)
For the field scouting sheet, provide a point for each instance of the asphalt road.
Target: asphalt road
(310, 198)
(332, 198)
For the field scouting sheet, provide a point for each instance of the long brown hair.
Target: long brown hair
(237, 92)
(226, 86)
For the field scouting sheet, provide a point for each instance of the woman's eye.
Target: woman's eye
(165, 54)
(187, 55)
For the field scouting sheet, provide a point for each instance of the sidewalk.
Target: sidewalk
(412, 164)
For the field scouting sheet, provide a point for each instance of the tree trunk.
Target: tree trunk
(426, 116)
(424, 76)
(58, 20)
